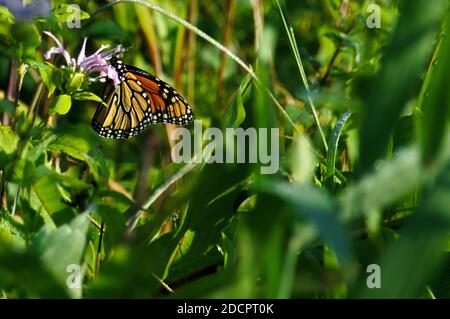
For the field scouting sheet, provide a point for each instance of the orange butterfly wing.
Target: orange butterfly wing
(138, 101)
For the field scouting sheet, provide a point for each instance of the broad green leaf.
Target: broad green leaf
(87, 96)
(81, 149)
(51, 200)
(59, 248)
(8, 139)
(404, 60)
(391, 181)
(46, 70)
(422, 243)
(22, 270)
(61, 105)
(74, 146)
(313, 205)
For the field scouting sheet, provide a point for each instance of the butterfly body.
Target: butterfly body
(139, 100)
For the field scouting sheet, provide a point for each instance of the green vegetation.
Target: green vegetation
(364, 174)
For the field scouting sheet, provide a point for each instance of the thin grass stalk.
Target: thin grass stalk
(226, 38)
(304, 78)
(192, 48)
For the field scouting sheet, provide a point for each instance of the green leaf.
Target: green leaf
(6, 20)
(23, 271)
(87, 96)
(46, 70)
(11, 231)
(74, 83)
(315, 206)
(81, 149)
(26, 38)
(404, 60)
(8, 139)
(334, 143)
(302, 160)
(390, 182)
(229, 251)
(6, 106)
(61, 105)
(435, 98)
(62, 247)
(410, 262)
(51, 201)
(235, 115)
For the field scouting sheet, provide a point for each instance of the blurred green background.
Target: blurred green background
(364, 173)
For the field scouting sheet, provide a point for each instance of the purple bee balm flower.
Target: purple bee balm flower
(96, 62)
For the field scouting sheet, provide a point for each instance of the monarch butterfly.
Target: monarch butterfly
(139, 100)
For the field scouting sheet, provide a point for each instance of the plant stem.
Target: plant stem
(99, 249)
(192, 46)
(22, 71)
(223, 58)
(12, 80)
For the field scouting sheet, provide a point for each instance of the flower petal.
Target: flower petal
(82, 54)
(59, 50)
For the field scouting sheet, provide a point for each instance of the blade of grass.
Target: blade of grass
(298, 60)
(159, 191)
(434, 99)
(404, 60)
(227, 31)
(145, 21)
(192, 47)
(334, 142)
